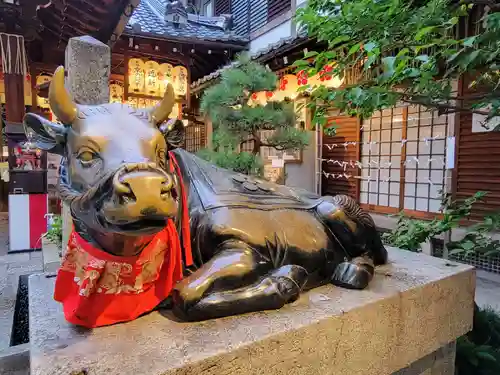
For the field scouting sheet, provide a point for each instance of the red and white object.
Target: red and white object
(27, 221)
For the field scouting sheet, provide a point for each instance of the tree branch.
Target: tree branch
(449, 108)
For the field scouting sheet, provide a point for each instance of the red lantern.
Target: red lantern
(254, 96)
(269, 94)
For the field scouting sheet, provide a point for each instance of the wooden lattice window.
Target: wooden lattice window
(195, 137)
(276, 8)
(403, 160)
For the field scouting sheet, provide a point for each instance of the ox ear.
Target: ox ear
(47, 135)
(174, 132)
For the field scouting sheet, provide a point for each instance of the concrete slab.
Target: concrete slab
(15, 360)
(415, 305)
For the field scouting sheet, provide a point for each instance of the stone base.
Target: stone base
(415, 305)
(440, 362)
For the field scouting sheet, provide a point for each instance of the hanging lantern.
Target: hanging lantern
(142, 103)
(152, 85)
(324, 77)
(116, 93)
(165, 76)
(133, 102)
(136, 75)
(258, 98)
(42, 102)
(289, 85)
(180, 80)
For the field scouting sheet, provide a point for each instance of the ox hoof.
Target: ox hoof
(351, 276)
(290, 281)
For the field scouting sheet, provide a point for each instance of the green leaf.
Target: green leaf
(469, 42)
(368, 47)
(423, 58)
(423, 32)
(470, 58)
(486, 356)
(354, 49)
(329, 54)
(300, 63)
(468, 245)
(310, 54)
(388, 63)
(339, 39)
(403, 52)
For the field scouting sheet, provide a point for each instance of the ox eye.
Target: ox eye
(87, 157)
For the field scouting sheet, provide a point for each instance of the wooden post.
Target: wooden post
(14, 71)
(87, 64)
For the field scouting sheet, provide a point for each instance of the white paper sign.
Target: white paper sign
(277, 163)
(450, 153)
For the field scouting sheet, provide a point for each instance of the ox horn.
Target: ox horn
(59, 99)
(161, 111)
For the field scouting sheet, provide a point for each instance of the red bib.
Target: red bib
(99, 289)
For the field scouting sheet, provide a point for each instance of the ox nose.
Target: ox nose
(145, 187)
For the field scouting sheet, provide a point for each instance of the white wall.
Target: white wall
(302, 175)
(272, 36)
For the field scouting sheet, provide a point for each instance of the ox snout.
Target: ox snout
(141, 192)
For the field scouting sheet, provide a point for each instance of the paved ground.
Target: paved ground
(488, 290)
(11, 267)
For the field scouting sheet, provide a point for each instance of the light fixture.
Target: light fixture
(209, 51)
(192, 50)
(185, 122)
(157, 48)
(285, 59)
(130, 42)
(174, 49)
(136, 47)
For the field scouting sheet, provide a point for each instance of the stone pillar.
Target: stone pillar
(87, 65)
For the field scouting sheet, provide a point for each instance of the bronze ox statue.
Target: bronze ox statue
(256, 245)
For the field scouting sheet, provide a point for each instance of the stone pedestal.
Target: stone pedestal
(405, 323)
(87, 64)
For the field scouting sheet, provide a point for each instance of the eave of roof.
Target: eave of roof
(260, 55)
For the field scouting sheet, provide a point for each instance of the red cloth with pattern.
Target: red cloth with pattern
(99, 289)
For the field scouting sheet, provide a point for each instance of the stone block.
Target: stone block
(87, 65)
(415, 305)
(88, 68)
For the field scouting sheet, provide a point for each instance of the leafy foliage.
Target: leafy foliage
(237, 121)
(55, 233)
(478, 352)
(478, 239)
(405, 51)
(409, 233)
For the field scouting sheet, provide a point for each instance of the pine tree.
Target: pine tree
(236, 120)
